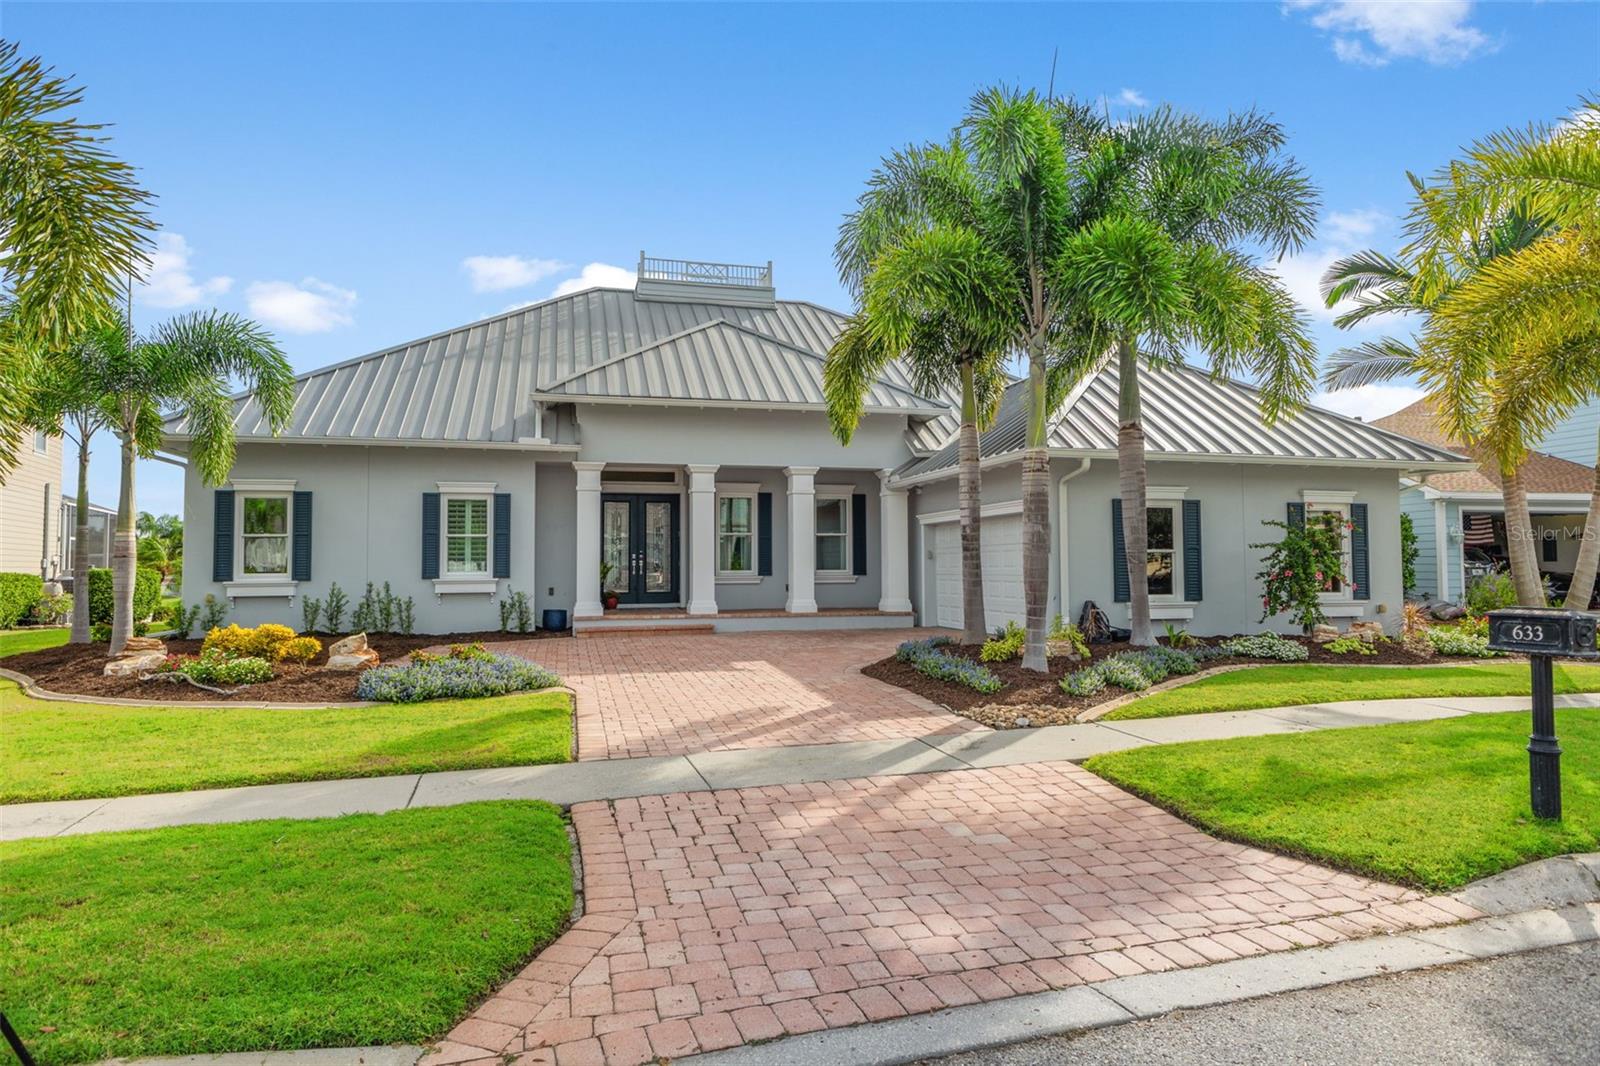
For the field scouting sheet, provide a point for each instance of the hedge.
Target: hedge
(18, 594)
(146, 594)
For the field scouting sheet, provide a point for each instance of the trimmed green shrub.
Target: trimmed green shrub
(217, 667)
(1456, 640)
(18, 595)
(1006, 645)
(1266, 646)
(102, 600)
(1491, 592)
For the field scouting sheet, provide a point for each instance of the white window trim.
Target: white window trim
(38, 436)
(244, 584)
(475, 581)
(1335, 500)
(740, 490)
(1172, 496)
(847, 575)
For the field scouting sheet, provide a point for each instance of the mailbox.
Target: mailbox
(1566, 634)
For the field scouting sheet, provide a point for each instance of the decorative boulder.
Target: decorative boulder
(133, 665)
(351, 653)
(354, 644)
(1322, 633)
(141, 644)
(1367, 631)
(1448, 612)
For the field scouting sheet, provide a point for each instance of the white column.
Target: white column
(802, 540)
(586, 581)
(702, 539)
(894, 509)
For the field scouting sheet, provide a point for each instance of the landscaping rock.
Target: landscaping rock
(1369, 632)
(135, 664)
(1323, 633)
(354, 644)
(354, 660)
(1061, 649)
(141, 644)
(1448, 612)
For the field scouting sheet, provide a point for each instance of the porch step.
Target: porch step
(592, 630)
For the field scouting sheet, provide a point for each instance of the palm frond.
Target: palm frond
(1369, 363)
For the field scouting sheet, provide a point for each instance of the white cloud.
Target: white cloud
(496, 273)
(312, 306)
(1369, 402)
(1132, 98)
(169, 283)
(597, 276)
(1374, 32)
(1343, 232)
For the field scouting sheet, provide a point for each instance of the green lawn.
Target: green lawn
(75, 750)
(1435, 804)
(368, 929)
(17, 641)
(1280, 686)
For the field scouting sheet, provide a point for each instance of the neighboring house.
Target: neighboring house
(1576, 439)
(1459, 517)
(102, 524)
(675, 436)
(30, 496)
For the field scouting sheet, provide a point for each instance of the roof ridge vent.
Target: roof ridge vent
(701, 282)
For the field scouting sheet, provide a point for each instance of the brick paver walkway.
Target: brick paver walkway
(660, 694)
(719, 918)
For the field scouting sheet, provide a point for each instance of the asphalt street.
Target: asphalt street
(1539, 1008)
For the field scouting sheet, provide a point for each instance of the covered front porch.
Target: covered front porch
(700, 546)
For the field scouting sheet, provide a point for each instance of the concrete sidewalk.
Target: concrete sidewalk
(570, 783)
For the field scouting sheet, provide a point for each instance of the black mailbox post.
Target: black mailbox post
(1544, 634)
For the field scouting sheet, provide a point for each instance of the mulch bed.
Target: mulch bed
(1038, 699)
(77, 669)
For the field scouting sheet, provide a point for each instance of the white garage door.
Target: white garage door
(1002, 572)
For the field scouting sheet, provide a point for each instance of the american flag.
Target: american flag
(1479, 531)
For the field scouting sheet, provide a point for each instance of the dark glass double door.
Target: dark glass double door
(639, 539)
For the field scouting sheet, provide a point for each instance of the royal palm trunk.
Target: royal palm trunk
(1519, 541)
(1132, 480)
(1036, 514)
(1583, 572)
(124, 554)
(973, 620)
(80, 549)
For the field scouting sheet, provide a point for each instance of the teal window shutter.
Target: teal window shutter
(430, 536)
(300, 556)
(502, 534)
(1297, 516)
(764, 534)
(1360, 565)
(1193, 579)
(1120, 592)
(222, 535)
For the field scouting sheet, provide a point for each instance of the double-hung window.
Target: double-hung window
(736, 532)
(833, 533)
(264, 534)
(1337, 586)
(466, 536)
(41, 442)
(1161, 548)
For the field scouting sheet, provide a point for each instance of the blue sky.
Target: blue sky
(356, 175)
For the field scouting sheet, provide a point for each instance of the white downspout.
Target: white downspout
(1061, 533)
(1441, 546)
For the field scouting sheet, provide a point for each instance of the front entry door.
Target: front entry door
(639, 539)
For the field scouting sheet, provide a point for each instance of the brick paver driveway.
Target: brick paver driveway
(661, 694)
(719, 918)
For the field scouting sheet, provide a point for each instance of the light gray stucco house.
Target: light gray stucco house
(677, 432)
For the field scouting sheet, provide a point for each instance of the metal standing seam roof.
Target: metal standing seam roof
(721, 363)
(1188, 413)
(476, 384)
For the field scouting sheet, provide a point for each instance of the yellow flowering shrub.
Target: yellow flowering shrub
(263, 641)
(299, 649)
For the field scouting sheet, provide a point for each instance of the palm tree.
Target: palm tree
(911, 191)
(1000, 270)
(1162, 270)
(68, 399)
(1503, 268)
(184, 368)
(72, 222)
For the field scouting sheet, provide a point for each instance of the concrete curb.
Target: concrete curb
(1127, 999)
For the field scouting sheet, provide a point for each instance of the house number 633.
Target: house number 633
(1527, 632)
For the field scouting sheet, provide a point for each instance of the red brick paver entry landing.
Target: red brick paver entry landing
(715, 919)
(663, 694)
